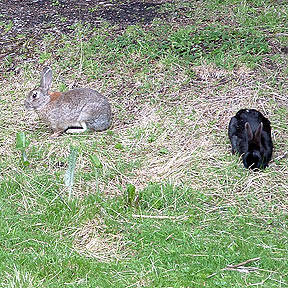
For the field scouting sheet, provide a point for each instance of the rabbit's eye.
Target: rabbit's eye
(34, 95)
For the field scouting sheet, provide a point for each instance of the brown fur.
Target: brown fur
(54, 95)
(82, 107)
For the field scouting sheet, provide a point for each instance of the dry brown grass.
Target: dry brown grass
(188, 119)
(90, 242)
(172, 122)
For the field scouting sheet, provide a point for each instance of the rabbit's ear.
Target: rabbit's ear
(249, 132)
(46, 78)
(258, 133)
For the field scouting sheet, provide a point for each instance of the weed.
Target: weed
(69, 175)
(22, 144)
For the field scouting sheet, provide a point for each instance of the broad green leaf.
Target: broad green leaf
(21, 141)
(163, 151)
(95, 161)
(119, 146)
(131, 194)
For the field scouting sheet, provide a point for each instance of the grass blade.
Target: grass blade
(131, 194)
(21, 144)
(97, 165)
(69, 175)
(21, 141)
(95, 161)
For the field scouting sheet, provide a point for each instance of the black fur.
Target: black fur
(250, 135)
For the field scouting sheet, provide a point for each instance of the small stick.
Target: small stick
(281, 34)
(243, 263)
(282, 156)
(234, 267)
(160, 217)
(211, 275)
(241, 269)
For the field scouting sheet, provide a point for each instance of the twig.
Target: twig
(282, 156)
(220, 82)
(239, 267)
(281, 34)
(243, 263)
(211, 275)
(160, 217)
(260, 283)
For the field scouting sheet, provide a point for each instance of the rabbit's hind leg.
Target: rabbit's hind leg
(100, 124)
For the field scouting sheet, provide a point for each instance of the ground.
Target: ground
(45, 16)
(60, 15)
(158, 198)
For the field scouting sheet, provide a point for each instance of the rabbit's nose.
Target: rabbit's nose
(27, 105)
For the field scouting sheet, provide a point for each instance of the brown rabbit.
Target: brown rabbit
(73, 111)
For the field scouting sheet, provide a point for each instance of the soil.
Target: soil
(39, 15)
(31, 19)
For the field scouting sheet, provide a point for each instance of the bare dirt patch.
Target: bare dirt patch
(43, 15)
(24, 23)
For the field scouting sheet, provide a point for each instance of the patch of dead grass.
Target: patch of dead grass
(105, 247)
(189, 119)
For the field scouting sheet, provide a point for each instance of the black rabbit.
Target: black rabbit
(250, 135)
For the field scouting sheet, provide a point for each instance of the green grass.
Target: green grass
(38, 243)
(173, 85)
